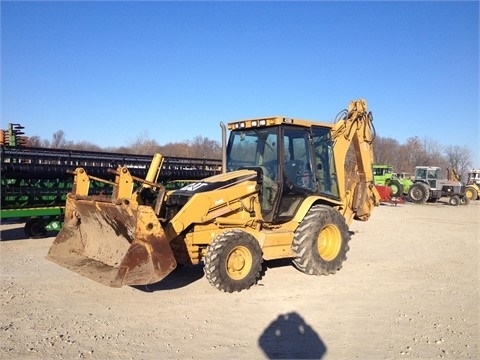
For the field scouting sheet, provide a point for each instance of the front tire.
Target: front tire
(454, 200)
(320, 243)
(397, 188)
(233, 261)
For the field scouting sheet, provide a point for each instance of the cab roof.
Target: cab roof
(272, 121)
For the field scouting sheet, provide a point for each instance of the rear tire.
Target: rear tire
(419, 193)
(233, 261)
(320, 243)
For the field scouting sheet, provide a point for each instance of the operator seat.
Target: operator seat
(293, 169)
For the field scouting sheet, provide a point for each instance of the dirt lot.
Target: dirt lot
(409, 290)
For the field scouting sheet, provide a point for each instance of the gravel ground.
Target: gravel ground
(408, 290)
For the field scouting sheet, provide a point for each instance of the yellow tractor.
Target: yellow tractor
(283, 193)
(472, 191)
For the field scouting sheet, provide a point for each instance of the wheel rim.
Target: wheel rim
(329, 242)
(469, 194)
(416, 194)
(239, 262)
(454, 201)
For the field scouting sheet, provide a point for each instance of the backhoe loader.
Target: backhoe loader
(283, 193)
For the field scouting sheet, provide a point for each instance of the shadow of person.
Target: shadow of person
(289, 337)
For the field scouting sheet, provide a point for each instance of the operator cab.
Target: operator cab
(474, 177)
(292, 162)
(429, 174)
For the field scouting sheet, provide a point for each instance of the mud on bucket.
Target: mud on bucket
(114, 244)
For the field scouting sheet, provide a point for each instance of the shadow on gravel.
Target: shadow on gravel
(290, 337)
(16, 233)
(180, 277)
(187, 274)
(271, 264)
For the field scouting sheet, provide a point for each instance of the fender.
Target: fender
(309, 202)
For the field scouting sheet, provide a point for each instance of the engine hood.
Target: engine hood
(450, 183)
(215, 182)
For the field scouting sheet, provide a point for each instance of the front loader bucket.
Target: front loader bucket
(113, 243)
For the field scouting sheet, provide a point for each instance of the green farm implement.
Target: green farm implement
(35, 181)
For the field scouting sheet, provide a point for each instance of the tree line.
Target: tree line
(422, 152)
(199, 147)
(387, 151)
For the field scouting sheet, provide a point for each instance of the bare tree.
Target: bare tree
(205, 148)
(35, 141)
(403, 163)
(181, 149)
(459, 159)
(386, 151)
(434, 153)
(144, 145)
(416, 152)
(85, 145)
(58, 140)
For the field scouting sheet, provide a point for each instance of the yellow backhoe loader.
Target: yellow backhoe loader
(283, 193)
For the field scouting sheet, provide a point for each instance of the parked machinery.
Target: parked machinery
(472, 191)
(399, 183)
(429, 186)
(285, 195)
(35, 181)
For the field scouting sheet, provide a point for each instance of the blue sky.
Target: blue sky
(110, 72)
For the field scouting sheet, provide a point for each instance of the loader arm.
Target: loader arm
(452, 175)
(359, 195)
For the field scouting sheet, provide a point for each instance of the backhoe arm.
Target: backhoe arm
(357, 191)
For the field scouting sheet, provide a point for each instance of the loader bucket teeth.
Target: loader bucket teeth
(114, 244)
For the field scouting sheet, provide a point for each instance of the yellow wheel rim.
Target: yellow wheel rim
(329, 242)
(469, 193)
(239, 262)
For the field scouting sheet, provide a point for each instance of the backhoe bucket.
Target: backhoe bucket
(114, 243)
